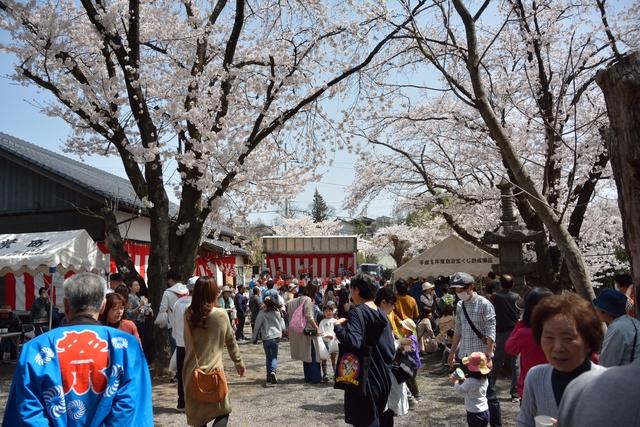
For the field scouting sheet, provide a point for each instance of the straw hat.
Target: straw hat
(427, 286)
(410, 325)
(476, 362)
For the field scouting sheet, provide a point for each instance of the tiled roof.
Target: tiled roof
(92, 179)
(225, 247)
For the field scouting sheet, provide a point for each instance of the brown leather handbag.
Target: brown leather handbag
(207, 387)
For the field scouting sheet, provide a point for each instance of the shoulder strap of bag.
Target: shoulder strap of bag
(364, 328)
(193, 343)
(635, 340)
(473, 326)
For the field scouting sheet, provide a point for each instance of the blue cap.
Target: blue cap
(460, 280)
(612, 302)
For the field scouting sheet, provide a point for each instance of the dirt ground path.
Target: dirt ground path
(292, 403)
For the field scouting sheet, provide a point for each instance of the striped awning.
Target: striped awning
(323, 265)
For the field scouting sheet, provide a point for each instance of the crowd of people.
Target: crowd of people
(368, 337)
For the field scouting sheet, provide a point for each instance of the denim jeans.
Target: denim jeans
(271, 354)
(312, 370)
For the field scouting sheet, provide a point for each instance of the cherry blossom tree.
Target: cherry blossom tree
(515, 100)
(305, 226)
(214, 95)
(403, 242)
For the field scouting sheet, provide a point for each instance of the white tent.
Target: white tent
(42, 252)
(447, 257)
(52, 253)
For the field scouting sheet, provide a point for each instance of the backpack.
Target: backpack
(298, 320)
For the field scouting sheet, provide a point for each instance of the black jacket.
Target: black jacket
(365, 411)
(507, 313)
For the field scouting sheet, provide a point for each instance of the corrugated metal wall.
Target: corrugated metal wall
(309, 244)
(22, 189)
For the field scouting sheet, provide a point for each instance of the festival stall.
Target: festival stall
(217, 259)
(33, 260)
(445, 258)
(221, 260)
(317, 256)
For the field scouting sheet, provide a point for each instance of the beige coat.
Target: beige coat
(300, 344)
(209, 344)
(446, 323)
(427, 341)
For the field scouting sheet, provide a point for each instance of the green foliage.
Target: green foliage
(319, 208)
(419, 218)
(361, 227)
(363, 258)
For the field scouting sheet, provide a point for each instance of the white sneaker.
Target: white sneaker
(412, 403)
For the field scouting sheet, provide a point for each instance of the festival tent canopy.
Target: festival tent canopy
(446, 258)
(48, 252)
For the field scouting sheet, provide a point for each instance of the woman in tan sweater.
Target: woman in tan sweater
(207, 331)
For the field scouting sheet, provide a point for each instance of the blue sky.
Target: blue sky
(21, 118)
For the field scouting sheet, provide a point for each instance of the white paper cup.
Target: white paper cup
(544, 421)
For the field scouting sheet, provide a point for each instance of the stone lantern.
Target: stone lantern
(510, 236)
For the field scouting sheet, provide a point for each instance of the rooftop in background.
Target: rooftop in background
(94, 180)
(225, 247)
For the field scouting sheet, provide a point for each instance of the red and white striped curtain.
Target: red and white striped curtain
(21, 291)
(139, 253)
(206, 265)
(317, 265)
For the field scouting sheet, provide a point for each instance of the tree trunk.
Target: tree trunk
(399, 250)
(184, 248)
(572, 255)
(115, 244)
(157, 270)
(620, 84)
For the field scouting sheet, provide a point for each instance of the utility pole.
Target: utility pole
(286, 201)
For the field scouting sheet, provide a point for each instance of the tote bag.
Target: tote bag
(352, 369)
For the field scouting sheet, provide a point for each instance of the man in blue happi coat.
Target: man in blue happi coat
(82, 374)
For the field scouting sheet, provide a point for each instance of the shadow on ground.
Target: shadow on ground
(291, 403)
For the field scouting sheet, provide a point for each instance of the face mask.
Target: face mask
(463, 296)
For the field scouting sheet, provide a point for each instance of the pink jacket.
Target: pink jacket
(521, 342)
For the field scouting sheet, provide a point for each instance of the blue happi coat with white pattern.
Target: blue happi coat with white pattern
(81, 375)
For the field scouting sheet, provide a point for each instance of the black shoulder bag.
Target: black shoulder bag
(473, 326)
(352, 369)
(403, 366)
